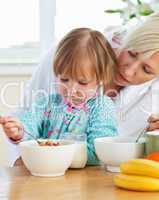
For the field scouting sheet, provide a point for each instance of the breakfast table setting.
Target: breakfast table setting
(57, 169)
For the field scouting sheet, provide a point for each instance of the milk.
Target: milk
(80, 155)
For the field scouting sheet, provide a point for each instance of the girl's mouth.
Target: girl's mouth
(75, 100)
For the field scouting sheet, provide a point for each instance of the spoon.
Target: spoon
(23, 130)
(141, 134)
(31, 136)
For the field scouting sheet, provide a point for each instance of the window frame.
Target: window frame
(47, 12)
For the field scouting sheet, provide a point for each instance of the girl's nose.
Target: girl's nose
(73, 88)
(76, 91)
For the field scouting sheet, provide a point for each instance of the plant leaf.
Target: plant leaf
(111, 11)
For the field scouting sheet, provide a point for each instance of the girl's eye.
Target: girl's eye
(83, 83)
(64, 80)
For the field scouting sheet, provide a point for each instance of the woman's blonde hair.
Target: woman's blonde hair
(144, 38)
(81, 44)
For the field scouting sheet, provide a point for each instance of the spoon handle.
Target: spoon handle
(31, 135)
(141, 134)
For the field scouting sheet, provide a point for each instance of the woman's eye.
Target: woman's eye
(132, 54)
(146, 70)
(64, 80)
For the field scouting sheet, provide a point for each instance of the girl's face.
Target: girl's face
(80, 88)
(132, 70)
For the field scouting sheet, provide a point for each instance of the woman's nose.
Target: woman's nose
(131, 70)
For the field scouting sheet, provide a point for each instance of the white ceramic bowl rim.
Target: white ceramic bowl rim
(116, 140)
(33, 144)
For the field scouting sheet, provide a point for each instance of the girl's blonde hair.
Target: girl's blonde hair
(145, 38)
(81, 44)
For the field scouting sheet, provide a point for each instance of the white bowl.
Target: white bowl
(112, 151)
(80, 156)
(47, 160)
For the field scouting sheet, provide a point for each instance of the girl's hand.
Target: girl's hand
(12, 127)
(153, 122)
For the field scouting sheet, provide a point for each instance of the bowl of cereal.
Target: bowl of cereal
(47, 157)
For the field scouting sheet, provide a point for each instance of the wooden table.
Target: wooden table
(91, 183)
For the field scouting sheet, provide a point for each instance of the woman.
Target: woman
(137, 74)
(136, 81)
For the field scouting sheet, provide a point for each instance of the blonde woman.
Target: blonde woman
(137, 80)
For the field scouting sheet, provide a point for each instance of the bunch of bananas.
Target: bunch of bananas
(138, 175)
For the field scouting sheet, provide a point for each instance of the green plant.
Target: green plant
(134, 9)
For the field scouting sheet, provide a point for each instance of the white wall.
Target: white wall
(12, 96)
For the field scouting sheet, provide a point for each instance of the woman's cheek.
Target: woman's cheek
(143, 78)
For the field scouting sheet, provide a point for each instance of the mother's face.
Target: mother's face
(132, 70)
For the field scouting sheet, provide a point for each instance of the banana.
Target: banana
(141, 167)
(136, 183)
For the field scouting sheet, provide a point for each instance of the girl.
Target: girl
(84, 62)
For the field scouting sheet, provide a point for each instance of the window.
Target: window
(19, 32)
(28, 25)
(71, 14)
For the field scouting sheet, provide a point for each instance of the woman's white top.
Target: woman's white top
(134, 105)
